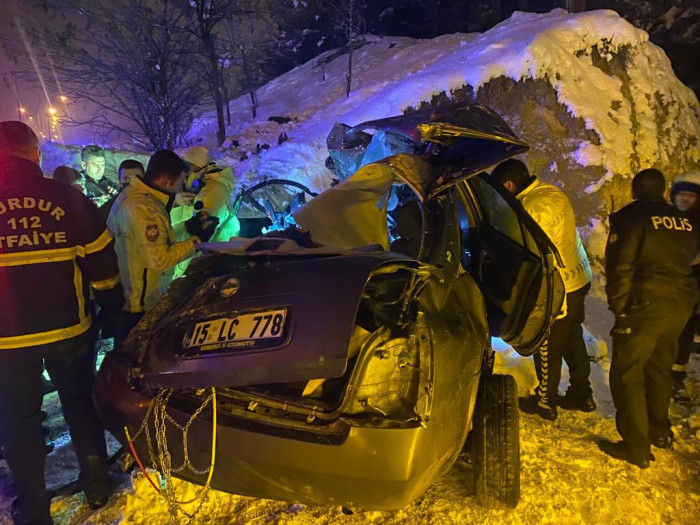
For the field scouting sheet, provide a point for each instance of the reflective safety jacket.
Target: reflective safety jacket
(53, 249)
(145, 243)
(216, 197)
(551, 209)
(649, 255)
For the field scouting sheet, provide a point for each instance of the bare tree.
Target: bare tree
(133, 59)
(341, 21)
(252, 43)
(349, 17)
(207, 17)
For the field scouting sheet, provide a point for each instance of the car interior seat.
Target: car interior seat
(409, 227)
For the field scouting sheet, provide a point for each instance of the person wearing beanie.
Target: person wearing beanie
(651, 292)
(214, 187)
(685, 195)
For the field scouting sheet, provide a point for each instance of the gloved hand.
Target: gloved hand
(184, 198)
(202, 224)
(623, 326)
(111, 323)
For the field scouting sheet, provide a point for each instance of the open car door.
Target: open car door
(512, 260)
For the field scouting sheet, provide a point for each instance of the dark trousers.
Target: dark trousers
(130, 321)
(71, 366)
(686, 341)
(565, 341)
(640, 373)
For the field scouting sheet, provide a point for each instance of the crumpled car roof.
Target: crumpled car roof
(472, 136)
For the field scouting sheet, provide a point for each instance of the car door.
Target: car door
(512, 260)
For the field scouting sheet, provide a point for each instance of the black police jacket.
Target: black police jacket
(53, 248)
(649, 255)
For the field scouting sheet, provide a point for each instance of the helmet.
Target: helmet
(688, 181)
(196, 155)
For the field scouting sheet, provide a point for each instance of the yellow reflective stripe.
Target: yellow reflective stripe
(43, 338)
(106, 284)
(98, 244)
(78, 282)
(39, 256)
(57, 255)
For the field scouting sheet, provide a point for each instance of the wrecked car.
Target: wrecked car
(350, 355)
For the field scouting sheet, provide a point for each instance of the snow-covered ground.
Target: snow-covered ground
(565, 478)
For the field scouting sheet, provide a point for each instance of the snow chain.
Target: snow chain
(160, 455)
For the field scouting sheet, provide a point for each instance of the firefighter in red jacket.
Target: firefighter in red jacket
(54, 249)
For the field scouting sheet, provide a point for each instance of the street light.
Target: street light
(63, 98)
(52, 111)
(23, 110)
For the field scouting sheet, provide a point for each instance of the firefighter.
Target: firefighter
(214, 187)
(53, 250)
(145, 241)
(651, 291)
(98, 188)
(552, 211)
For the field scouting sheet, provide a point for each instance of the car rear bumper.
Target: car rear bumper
(368, 468)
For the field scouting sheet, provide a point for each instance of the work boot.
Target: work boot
(97, 490)
(96, 501)
(678, 380)
(48, 440)
(664, 441)
(580, 403)
(20, 518)
(535, 405)
(621, 451)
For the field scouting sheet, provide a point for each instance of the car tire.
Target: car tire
(495, 442)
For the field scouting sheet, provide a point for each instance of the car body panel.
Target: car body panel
(360, 461)
(315, 344)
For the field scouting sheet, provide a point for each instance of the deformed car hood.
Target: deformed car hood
(320, 295)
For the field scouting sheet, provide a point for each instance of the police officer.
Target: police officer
(651, 291)
(551, 209)
(685, 195)
(145, 240)
(127, 170)
(53, 250)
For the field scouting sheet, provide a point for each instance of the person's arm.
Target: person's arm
(621, 252)
(150, 230)
(96, 257)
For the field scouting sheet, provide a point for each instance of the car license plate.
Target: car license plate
(243, 331)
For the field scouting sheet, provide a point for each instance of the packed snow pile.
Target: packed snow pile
(594, 99)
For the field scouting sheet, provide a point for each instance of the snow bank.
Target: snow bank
(592, 96)
(568, 51)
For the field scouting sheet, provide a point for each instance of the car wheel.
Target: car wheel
(495, 442)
